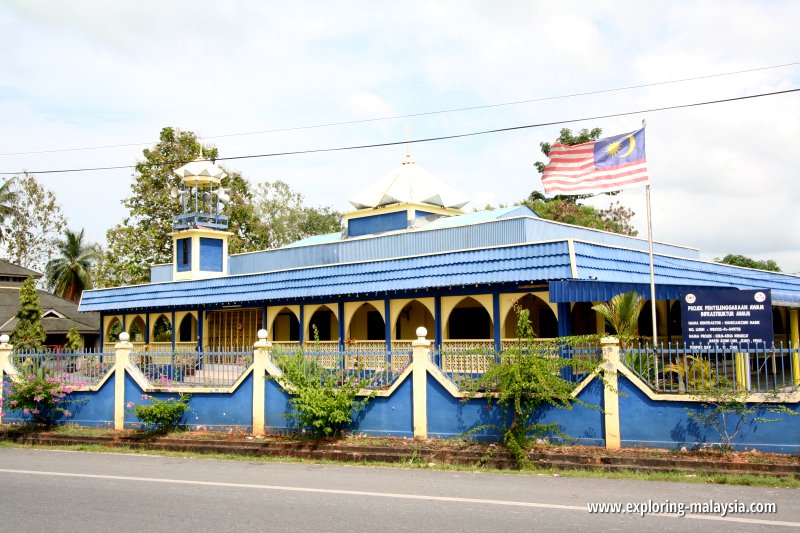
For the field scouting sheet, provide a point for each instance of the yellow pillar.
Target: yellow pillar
(419, 375)
(261, 354)
(122, 351)
(794, 336)
(610, 346)
(742, 370)
(5, 365)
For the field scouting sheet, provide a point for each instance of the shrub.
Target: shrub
(528, 377)
(161, 415)
(41, 396)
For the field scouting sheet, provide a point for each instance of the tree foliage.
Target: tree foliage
(567, 209)
(32, 228)
(69, 274)
(28, 334)
(74, 340)
(285, 219)
(744, 261)
(8, 200)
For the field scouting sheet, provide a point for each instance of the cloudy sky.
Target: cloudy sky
(84, 74)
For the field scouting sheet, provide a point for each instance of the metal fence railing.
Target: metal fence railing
(84, 367)
(465, 363)
(743, 367)
(372, 368)
(211, 367)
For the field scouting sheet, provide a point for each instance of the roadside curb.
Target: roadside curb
(494, 457)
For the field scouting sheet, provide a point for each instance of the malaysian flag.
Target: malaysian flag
(604, 165)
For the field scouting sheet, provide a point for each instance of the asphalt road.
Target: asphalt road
(59, 491)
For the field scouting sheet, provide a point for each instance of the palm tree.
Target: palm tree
(71, 273)
(622, 313)
(8, 197)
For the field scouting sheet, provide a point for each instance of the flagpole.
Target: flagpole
(652, 268)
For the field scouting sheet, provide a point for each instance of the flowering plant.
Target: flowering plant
(161, 415)
(40, 396)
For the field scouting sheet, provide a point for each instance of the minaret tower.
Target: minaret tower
(200, 239)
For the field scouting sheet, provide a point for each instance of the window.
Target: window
(183, 254)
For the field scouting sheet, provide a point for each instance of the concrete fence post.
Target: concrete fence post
(5, 367)
(262, 352)
(122, 356)
(420, 356)
(610, 346)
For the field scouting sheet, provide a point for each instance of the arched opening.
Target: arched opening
(646, 320)
(469, 320)
(114, 329)
(583, 319)
(367, 324)
(136, 330)
(543, 320)
(674, 326)
(162, 329)
(779, 324)
(285, 326)
(187, 332)
(324, 322)
(413, 315)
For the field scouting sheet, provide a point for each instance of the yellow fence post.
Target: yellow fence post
(261, 354)
(794, 336)
(610, 346)
(419, 374)
(5, 365)
(122, 355)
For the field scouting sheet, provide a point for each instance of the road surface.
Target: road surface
(44, 490)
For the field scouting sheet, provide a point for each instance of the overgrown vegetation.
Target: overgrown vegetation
(527, 378)
(323, 399)
(161, 416)
(727, 412)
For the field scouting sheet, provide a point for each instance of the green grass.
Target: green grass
(416, 463)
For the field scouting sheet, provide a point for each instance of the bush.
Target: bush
(39, 395)
(161, 415)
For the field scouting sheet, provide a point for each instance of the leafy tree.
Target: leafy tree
(74, 340)
(8, 199)
(622, 314)
(285, 219)
(143, 239)
(28, 334)
(744, 261)
(567, 209)
(32, 229)
(71, 273)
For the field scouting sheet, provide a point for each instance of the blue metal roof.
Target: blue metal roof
(622, 266)
(498, 227)
(489, 265)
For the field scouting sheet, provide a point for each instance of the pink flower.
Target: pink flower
(31, 377)
(39, 388)
(13, 403)
(129, 405)
(37, 398)
(67, 390)
(26, 412)
(56, 400)
(52, 380)
(67, 413)
(145, 396)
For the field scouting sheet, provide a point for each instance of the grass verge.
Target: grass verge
(676, 477)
